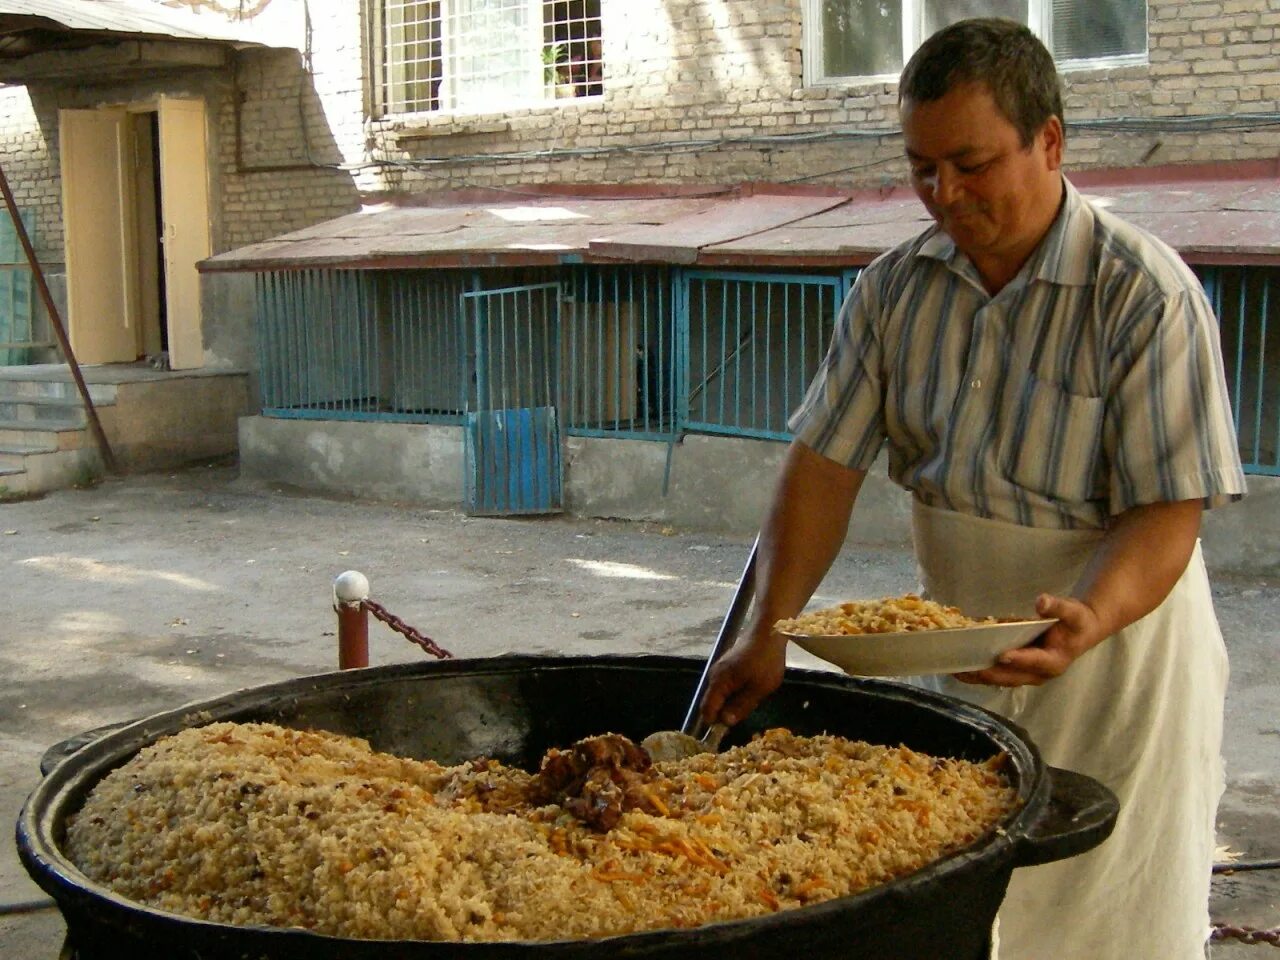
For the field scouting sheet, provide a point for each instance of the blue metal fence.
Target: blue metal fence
(1247, 303)
(619, 343)
(754, 343)
(643, 352)
(362, 345)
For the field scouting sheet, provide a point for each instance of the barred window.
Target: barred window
(477, 56)
(863, 39)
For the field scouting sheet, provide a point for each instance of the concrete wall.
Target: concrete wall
(716, 484)
(418, 463)
(178, 420)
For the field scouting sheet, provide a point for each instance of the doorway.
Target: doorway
(136, 222)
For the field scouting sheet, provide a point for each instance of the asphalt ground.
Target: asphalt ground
(144, 593)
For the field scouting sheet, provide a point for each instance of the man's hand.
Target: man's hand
(1143, 554)
(744, 676)
(1078, 629)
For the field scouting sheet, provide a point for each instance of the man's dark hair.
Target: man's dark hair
(1002, 55)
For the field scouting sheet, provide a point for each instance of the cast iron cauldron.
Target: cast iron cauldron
(514, 708)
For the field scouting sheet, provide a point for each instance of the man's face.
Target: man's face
(994, 197)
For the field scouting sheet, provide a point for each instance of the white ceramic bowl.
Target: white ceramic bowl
(919, 652)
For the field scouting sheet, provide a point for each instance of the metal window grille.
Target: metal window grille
(755, 342)
(486, 55)
(17, 333)
(1247, 303)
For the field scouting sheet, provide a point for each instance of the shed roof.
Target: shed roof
(34, 32)
(1210, 214)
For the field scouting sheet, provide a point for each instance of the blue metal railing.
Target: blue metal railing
(642, 351)
(1246, 301)
(362, 345)
(754, 342)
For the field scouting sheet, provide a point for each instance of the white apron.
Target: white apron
(1141, 712)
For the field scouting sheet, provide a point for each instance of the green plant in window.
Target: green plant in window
(552, 54)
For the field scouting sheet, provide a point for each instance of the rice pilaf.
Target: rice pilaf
(260, 824)
(903, 614)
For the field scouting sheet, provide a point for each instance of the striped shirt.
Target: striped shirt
(1091, 383)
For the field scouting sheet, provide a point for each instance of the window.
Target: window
(483, 55)
(864, 39)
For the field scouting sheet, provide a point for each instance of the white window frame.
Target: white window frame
(1039, 17)
(449, 91)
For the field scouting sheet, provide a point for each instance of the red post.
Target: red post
(350, 590)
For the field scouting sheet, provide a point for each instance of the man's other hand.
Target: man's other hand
(1078, 629)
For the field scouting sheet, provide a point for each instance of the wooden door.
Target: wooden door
(96, 167)
(184, 202)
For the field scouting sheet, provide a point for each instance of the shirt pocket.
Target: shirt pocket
(1051, 440)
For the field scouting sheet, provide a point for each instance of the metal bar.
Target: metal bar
(1240, 320)
(353, 636)
(91, 412)
(1275, 408)
(1262, 374)
(742, 597)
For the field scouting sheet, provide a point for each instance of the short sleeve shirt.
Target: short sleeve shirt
(1091, 383)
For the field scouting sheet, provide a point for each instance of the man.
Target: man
(1049, 382)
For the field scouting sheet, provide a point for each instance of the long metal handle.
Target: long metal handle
(742, 596)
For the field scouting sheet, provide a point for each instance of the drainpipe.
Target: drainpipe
(95, 425)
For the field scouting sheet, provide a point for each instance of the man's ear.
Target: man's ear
(1054, 138)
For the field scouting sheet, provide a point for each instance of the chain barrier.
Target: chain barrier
(1225, 931)
(408, 632)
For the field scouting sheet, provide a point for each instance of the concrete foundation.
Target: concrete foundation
(713, 484)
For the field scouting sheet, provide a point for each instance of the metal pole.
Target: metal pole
(95, 425)
(350, 591)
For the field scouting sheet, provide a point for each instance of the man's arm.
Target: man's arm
(802, 534)
(1135, 566)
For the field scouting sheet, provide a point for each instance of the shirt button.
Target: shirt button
(976, 384)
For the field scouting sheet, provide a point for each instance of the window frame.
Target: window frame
(1039, 19)
(376, 60)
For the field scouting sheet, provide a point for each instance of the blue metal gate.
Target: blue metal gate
(512, 437)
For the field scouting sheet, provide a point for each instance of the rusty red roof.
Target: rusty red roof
(1225, 213)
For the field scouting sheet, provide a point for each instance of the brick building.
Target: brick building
(314, 112)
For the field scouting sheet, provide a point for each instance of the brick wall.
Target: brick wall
(695, 92)
(28, 157)
(687, 71)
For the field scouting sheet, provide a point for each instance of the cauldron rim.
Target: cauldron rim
(63, 789)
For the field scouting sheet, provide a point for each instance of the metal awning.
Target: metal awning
(50, 40)
(1226, 214)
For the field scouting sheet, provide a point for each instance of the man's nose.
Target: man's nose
(946, 187)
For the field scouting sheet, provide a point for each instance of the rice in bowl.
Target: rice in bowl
(266, 825)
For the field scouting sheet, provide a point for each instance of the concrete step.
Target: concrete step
(20, 382)
(40, 408)
(13, 483)
(14, 455)
(60, 434)
(47, 470)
